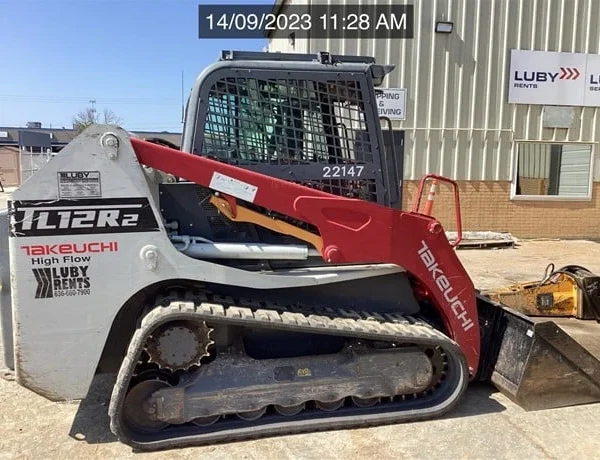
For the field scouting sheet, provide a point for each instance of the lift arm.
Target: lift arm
(351, 231)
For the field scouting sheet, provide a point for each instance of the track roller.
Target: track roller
(365, 402)
(289, 410)
(252, 415)
(206, 421)
(330, 406)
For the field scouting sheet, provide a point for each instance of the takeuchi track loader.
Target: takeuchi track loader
(259, 279)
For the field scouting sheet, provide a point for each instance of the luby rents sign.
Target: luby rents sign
(553, 78)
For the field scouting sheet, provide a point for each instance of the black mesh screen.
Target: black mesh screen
(307, 131)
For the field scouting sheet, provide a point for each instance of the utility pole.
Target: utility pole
(182, 106)
(93, 102)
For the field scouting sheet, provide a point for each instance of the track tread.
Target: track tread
(325, 320)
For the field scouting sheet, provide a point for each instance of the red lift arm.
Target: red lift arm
(352, 231)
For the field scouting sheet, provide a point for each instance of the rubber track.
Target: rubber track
(349, 323)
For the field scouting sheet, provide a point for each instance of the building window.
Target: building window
(553, 171)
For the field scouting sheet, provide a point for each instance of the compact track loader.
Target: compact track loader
(260, 279)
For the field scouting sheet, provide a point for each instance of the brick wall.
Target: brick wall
(9, 166)
(486, 206)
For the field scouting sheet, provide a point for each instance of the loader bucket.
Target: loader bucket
(537, 362)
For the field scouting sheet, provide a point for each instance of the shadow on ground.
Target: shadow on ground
(91, 422)
(477, 401)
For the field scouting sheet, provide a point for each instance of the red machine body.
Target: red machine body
(355, 231)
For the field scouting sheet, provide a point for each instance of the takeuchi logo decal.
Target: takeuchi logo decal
(530, 79)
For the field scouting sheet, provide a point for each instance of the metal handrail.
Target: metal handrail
(417, 203)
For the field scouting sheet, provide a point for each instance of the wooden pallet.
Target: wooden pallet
(486, 244)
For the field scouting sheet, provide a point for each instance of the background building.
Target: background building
(518, 130)
(24, 150)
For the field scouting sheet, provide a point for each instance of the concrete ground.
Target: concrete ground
(485, 424)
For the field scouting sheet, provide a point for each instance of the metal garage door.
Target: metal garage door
(574, 170)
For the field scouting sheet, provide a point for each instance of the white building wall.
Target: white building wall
(458, 121)
(281, 44)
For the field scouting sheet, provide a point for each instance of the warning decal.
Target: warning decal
(79, 184)
(234, 187)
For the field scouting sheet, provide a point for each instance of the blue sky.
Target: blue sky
(128, 55)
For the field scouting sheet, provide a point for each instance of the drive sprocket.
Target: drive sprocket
(179, 345)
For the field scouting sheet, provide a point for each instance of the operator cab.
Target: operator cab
(310, 119)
